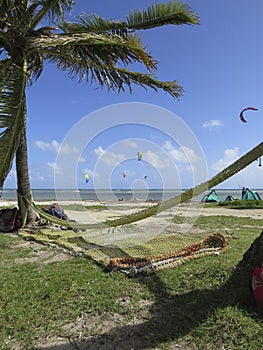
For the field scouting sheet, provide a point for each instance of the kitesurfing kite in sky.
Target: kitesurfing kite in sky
(86, 177)
(139, 154)
(123, 175)
(246, 109)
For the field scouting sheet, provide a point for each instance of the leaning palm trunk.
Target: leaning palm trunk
(229, 171)
(23, 183)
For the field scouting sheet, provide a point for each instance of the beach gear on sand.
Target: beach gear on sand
(229, 198)
(250, 195)
(55, 210)
(10, 220)
(211, 197)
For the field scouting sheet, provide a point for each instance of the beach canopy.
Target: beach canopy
(229, 198)
(250, 195)
(211, 197)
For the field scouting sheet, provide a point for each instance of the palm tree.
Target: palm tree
(91, 49)
(96, 50)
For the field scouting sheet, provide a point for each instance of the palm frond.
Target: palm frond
(112, 77)
(101, 48)
(35, 67)
(92, 24)
(148, 81)
(14, 14)
(12, 102)
(160, 14)
(54, 9)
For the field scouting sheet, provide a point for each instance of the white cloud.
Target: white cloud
(192, 157)
(230, 155)
(55, 168)
(213, 123)
(83, 160)
(183, 154)
(155, 160)
(132, 144)
(54, 146)
(99, 151)
(108, 157)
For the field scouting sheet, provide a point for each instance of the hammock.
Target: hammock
(213, 244)
(130, 264)
(228, 172)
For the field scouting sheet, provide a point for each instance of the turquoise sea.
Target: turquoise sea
(115, 195)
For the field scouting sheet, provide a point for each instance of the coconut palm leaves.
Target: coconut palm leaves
(159, 14)
(12, 86)
(90, 49)
(162, 14)
(92, 57)
(114, 42)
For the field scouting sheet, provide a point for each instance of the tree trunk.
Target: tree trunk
(241, 278)
(23, 183)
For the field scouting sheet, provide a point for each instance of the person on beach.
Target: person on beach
(243, 192)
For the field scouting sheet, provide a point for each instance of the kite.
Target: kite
(86, 177)
(246, 109)
(139, 154)
(145, 177)
(123, 175)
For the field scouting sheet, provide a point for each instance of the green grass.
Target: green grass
(187, 306)
(237, 204)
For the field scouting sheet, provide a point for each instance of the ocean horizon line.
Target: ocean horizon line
(109, 195)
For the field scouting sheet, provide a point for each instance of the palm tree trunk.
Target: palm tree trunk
(24, 196)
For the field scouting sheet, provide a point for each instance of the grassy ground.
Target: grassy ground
(238, 204)
(48, 300)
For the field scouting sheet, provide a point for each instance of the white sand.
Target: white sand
(144, 230)
(117, 209)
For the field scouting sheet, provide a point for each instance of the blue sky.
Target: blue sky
(76, 128)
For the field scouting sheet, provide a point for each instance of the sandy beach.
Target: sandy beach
(111, 210)
(162, 222)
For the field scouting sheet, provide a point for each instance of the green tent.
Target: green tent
(250, 195)
(211, 197)
(229, 198)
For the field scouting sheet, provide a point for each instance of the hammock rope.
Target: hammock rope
(213, 244)
(131, 266)
(228, 172)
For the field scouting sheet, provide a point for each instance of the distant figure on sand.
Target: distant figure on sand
(243, 192)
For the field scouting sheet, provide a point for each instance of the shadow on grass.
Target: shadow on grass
(174, 316)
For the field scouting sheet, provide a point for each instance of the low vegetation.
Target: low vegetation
(238, 204)
(47, 297)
